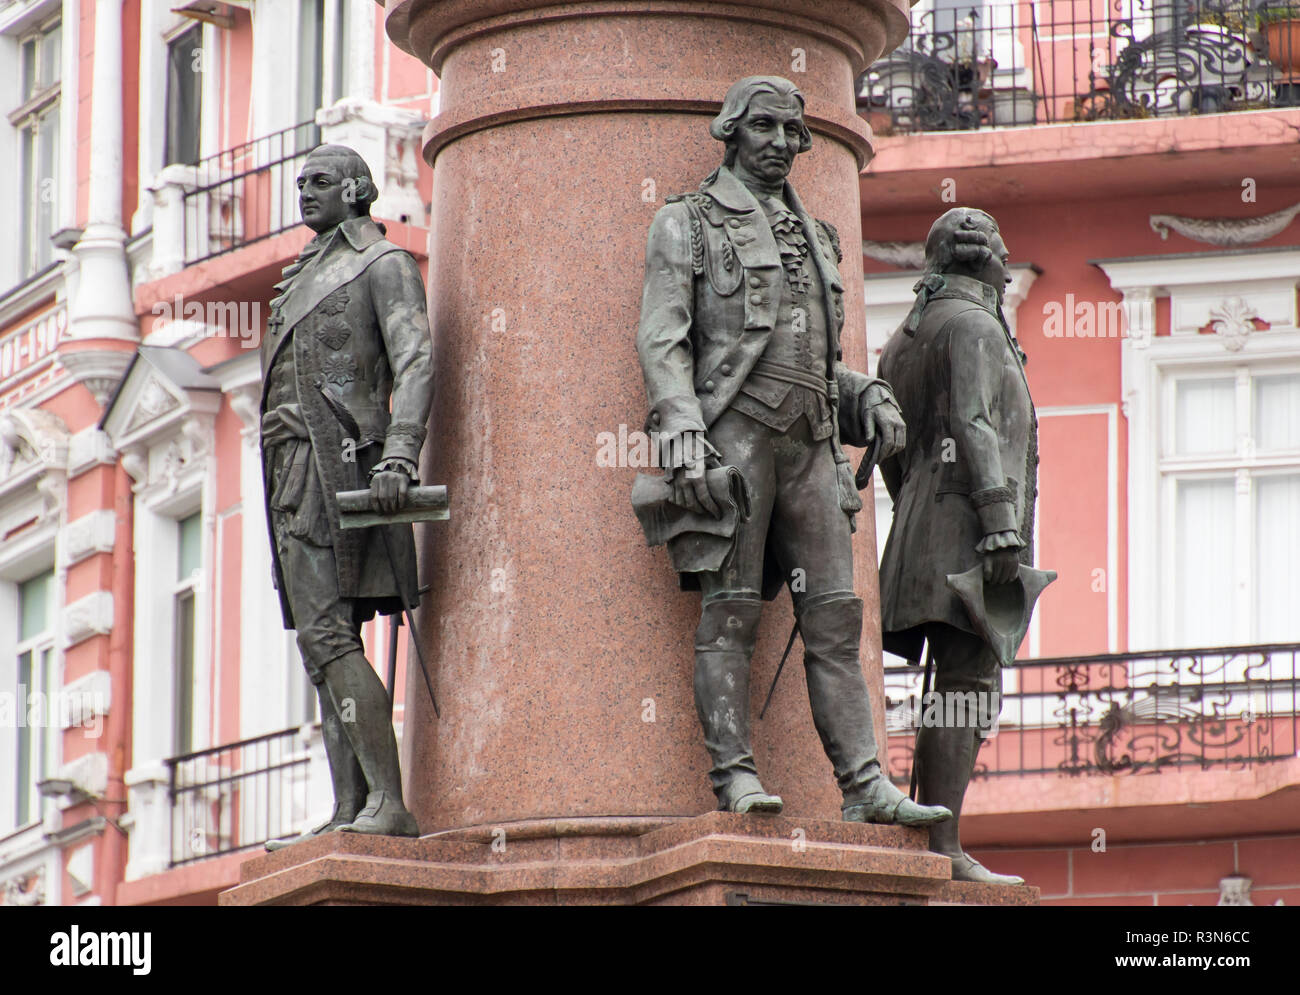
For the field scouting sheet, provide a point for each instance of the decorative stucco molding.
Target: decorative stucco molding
(90, 615)
(1225, 231)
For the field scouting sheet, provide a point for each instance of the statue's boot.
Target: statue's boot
(345, 774)
(362, 704)
(724, 643)
(831, 626)
(945, 760)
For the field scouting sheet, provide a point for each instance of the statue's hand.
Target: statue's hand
(1001, 565)
(881, 416)
(691, 491)
(388, 491)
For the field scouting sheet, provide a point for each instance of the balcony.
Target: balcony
(1016, 63)
(1222, 709)
(246, 195)
(240, 795)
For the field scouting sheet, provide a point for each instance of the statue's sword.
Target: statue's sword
(423, 504)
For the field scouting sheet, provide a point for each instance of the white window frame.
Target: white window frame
(16, 26)
(159, 27)
(1197, 285)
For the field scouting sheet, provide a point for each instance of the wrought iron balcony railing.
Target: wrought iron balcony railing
(239, 196)
(238, 796)
(972, 64)
(1227, 708)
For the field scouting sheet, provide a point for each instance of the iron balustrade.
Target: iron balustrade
(1225, 708)
(239, 795)
(245, 193)
(1007, 63)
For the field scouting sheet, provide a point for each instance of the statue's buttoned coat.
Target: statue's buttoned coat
(356, 321)
(712, 294)
(969, 468)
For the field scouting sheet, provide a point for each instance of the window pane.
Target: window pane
(1204, 413)
(181, 141)
(34, 606)
(1277, 412)
(47, 761)
(23, 798)
(188, 547)
(29, 69)
(1204, 557)
(311, 45)
(340, 49)
(1277, 542)
(30, 207)
(47, 164)
(183, 705)
(50, 52)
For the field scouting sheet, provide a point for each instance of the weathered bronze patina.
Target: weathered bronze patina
(346, 374)
(957, 569)
(739, 346)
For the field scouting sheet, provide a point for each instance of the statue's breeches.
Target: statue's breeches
(794, 502)
(964, 663)
(327, 625)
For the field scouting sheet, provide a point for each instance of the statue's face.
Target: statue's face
(767, 138)
(321, 195)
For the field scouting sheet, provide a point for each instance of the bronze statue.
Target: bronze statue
(749, 401)
(957, 569)
(348, 334)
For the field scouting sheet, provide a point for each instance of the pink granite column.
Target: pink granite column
(561, 645)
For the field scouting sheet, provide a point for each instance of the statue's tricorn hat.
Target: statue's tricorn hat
(1001, 612)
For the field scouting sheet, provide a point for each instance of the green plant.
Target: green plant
(1276, 15)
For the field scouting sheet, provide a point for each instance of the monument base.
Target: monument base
(714, 859)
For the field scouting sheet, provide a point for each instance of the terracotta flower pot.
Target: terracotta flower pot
(1284, 45)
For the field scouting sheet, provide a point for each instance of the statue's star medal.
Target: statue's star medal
(339, 370)
(334, 332)
(335, 335)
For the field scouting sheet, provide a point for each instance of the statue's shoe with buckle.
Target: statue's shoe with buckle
(886, 805)
(383, 816)
(967, 868)
(745, 795)
(325, 827)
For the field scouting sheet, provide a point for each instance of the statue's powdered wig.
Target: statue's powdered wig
(944, 252)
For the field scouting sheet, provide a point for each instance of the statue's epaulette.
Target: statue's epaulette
(698, 202)
(833, 237)
(691, 197)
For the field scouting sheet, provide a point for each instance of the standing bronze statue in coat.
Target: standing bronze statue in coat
(739, 345)
(957, 568)
(348, 337)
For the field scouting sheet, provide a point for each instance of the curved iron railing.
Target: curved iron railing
(1009, 63)
(1226, 708)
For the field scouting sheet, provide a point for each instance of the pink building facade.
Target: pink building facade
(154, 704)
(1147, 749)
(159, 720)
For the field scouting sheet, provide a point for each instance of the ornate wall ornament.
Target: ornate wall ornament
(153, 401)
(90, 615)
(27, 889)
(1233, 321)
(29, 436)
(1225, 231)
(904, 255)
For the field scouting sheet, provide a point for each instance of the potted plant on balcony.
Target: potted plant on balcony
(1281, 28)
(1222, 23)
